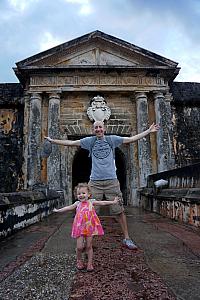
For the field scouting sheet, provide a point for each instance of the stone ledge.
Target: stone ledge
(179, 178)
(18, 198)
(191, 195)
(179, 204)
(21, 209)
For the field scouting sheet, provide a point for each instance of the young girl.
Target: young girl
(86, 223)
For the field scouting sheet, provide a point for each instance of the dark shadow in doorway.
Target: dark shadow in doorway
(81, 169)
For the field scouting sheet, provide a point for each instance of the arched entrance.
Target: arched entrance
(81, 169)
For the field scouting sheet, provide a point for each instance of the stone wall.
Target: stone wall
(21, 209)
(11, 137)
(186, 119)
(74, 120)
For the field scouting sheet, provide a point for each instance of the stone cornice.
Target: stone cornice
(165, 72)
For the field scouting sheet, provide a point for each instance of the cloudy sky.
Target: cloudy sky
(167, 27)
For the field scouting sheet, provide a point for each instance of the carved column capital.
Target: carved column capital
(140, 95)
(54, 95)
(168, 97)
(36, 96)
(158, 96)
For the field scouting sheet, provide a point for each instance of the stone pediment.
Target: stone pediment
(96, 49)
(96, 57)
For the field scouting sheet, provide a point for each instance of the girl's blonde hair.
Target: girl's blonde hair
(81, 185)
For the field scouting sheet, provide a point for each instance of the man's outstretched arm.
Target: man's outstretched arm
(131, 139)
(63, 142)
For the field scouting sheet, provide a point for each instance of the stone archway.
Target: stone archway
(81, 169)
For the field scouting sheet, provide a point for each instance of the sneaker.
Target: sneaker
(128, 243)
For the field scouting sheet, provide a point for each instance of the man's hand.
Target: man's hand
(55, 210)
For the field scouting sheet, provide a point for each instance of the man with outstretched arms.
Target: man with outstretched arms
(103, 178)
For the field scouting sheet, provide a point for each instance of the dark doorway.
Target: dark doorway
(121, 172)
(81, 169)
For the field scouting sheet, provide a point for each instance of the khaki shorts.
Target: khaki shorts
(109, 188)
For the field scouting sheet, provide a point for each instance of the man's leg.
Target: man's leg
(123, 223)
(113, 190)
(97, 192)
(127, 242)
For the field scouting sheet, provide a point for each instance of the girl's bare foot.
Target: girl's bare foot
(80, 265)
(90, 268)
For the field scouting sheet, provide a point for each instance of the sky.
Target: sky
(169, 28)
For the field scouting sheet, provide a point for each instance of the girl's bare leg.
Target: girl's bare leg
(79, 250)
(89, 251)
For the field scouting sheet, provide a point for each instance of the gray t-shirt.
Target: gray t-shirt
(103, 163)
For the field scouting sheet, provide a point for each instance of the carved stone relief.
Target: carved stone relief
(96, 80)
(98, 109)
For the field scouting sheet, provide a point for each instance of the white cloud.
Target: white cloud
(85, 6)
(21, 5)
(48, 41)
(85, 10)
(190, 70)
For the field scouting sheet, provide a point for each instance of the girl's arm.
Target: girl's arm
(101, 203)
(66, 208)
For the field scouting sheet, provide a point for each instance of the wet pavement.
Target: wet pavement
(39, 262)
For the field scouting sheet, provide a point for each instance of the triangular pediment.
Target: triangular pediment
(96, 56)
(96, 49)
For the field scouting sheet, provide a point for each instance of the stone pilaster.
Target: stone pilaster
(26, 136)
(164, 135)
(34, 141)
(171, 156)
(133, 176)
(54, 160)
(144, 148)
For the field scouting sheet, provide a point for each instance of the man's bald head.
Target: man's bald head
(98, 129)
(98, 123)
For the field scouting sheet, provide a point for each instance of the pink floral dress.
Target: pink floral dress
(86, 221)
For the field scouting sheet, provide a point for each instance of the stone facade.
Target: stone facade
(11, 137)
(186, 118)
(58, 86)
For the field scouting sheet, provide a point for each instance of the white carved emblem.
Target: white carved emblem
(98, 109)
